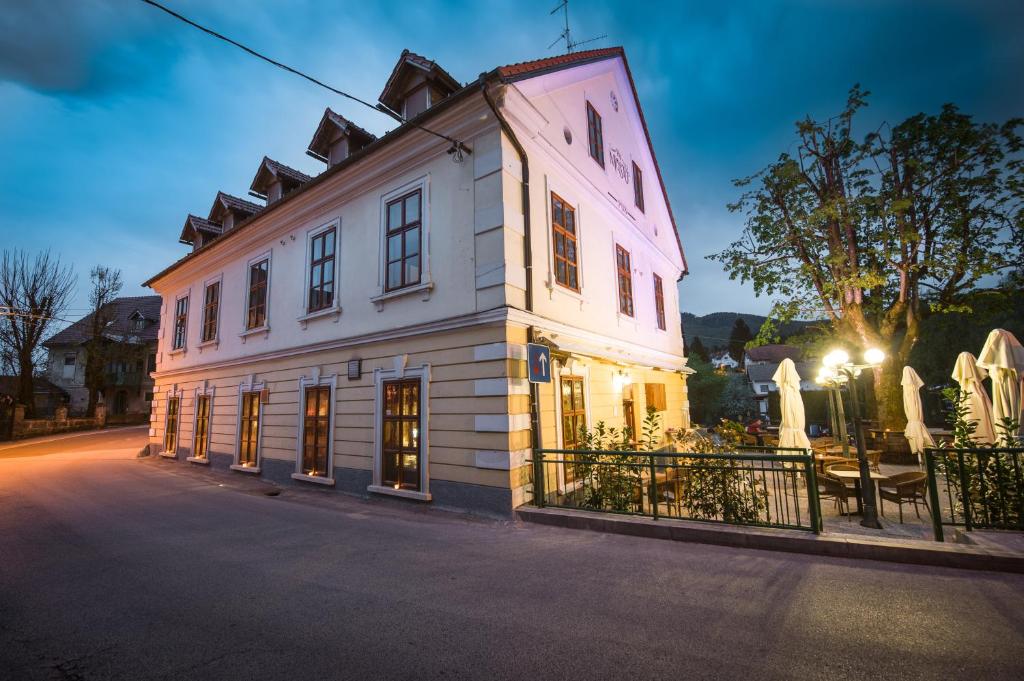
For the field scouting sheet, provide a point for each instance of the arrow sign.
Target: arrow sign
(539, 362)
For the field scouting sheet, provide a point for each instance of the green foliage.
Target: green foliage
(697, 349)
(738, 339)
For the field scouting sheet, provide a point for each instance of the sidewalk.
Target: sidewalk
(954, 555)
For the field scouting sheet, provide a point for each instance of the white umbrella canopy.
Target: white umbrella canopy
(791, 430)
(916, 432)
(969, 376)
(1003, 357)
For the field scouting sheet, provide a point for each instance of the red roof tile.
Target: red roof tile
(531, 67)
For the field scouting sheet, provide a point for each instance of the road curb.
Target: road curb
(894, 551)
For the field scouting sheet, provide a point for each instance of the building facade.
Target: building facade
(366, 329)
(130, 328)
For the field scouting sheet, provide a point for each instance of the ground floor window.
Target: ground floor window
(316, 431)
(574, 419)
(400, 444)
(202, 430)
(249, 431)
(171, 425)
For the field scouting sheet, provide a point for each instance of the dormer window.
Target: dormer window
(415, 85)
(228, 211)
(336, 139)
(275, 180)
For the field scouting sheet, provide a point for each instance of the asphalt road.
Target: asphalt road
(118, 568)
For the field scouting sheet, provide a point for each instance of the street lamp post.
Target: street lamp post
(836, 370)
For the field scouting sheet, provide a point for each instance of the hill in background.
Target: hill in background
(714, 328)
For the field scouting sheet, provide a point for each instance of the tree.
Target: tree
(34, 293)
(873, 233)
(697, 349)
(704, 390)
(103, 343)
(738, 339)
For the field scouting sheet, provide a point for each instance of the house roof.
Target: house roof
(225, 202)
(320, 144)
(9, 386)
(195, 224)
(390, 95)
(762, 373)
(773, 353)
(271, 170)
(509, 73)
(119, 311)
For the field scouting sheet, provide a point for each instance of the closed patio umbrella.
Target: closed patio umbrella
(1003, 357)
(970, 377)
(916, 432)
(791, 430)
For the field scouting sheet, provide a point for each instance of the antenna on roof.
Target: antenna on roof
(570, 44)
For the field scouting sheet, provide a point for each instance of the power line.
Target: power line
(457, 146)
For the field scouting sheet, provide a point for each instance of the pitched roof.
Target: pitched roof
(321, 141)
(270, 170)
(514, 72)
(119, 311)
(223, 202)
(773, 353)
(9, 386)
(195, 224)
(762, 373)
(389, 97)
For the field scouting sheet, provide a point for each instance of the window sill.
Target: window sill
(320, 314)
(245, 469)
(265, 330)
(212, 343)
(176, 352)
(408, 494)
(425, 288)
(197, 459)
(169, 455)
(319, 480)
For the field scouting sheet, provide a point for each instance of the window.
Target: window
(400, 446)
(180, 323)
(69, 366)
(211, 306)
(655, 394)
(249, 429)
(321, 271)
(201, 436)
(403, 242)
(638, 187)
(659, 302)
(151, 362)
(171, 426)
(316, 431)
(625, 280)
(574, 420)
(258, 275)
(563, 233)
(595, 136)
(138, 323)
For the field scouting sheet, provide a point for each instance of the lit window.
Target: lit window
(595, 135)
(202, 427)
(625, 273)
(402, 248)
(563, 233)
(258, 275)
(316, 431)
(171, 426)
(321, 271)
(249, 429)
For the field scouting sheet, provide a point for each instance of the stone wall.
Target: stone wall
(60, 423)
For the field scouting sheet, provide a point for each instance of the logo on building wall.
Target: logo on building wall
(620, 165)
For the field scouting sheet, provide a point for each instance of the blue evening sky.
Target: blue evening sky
(116, 120)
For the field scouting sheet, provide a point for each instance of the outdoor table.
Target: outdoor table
(823, 460)
(855, 476)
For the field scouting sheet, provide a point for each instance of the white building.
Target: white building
(724, 361)
(366, 329)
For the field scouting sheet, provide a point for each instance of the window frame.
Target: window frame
(202, 394)
(659, 302)
(204, 321)
(248, 330)
(180, 322)
(624, 275)
(316, 382)
(307, 286)
(638, 187)
(73, 365)
(558, 229)
(405, 227)
(249, 387)
(426, 284)
(595, 134)
(380, 377)
(175, 397)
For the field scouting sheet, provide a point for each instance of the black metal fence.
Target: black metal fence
(982, 488)
(750, 487)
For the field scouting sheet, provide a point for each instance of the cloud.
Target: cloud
(79, 48)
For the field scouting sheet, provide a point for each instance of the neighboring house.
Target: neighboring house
(367, 328)
(762, 363)
(723, 361)
(133, 326)
(46, 395)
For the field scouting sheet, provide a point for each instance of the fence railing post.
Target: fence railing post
(654, 489)
(538, 478)
(933, 493)
(965, 492)
(813, 501)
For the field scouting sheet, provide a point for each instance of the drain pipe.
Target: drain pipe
(538, 472)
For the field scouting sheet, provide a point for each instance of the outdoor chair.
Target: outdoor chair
(904, 488)
(834, 488)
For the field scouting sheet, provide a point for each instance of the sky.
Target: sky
(116, 121)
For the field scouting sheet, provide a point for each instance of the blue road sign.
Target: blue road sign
(538, 357)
